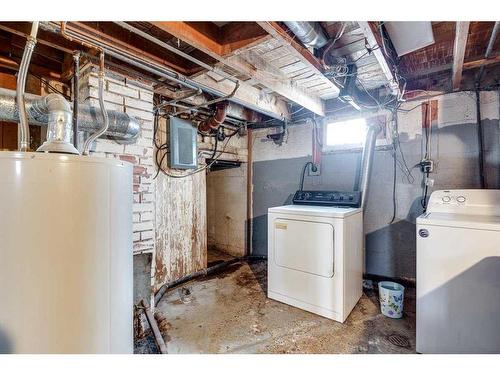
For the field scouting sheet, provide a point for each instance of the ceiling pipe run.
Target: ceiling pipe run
(122, 127)
(309, 33)
(152, 67)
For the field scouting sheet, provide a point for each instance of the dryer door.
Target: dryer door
(305, 246)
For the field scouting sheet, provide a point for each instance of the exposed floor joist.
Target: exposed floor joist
(313, 66)
(372, 40)
(243, 60)
(461, 34)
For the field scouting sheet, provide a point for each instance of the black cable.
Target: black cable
(301, 186)
(215, 146)
(423, 201)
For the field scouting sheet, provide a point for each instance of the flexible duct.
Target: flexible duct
(309, 33)
(121, 125)
(24, 129)
(367, 161)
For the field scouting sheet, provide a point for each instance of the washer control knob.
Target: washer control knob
(461, 199)
(446, 199)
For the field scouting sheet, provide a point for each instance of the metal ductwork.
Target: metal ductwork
(309, 33)
(367, 162)
(59, 124)
(121, 125)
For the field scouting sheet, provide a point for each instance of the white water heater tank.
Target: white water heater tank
(65, 254)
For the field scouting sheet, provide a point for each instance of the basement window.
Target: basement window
(345, 134)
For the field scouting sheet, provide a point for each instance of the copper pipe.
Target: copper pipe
(8, 63)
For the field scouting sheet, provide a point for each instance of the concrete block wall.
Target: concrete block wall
(390, 247)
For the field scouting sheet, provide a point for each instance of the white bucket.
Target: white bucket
(391, 297)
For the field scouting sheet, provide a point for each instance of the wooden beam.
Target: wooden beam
(372, 38)
(246, 62)
(461, 34)
(238, 36)
(277, 32)
(247, 96)
(474, 63)
(191, 35)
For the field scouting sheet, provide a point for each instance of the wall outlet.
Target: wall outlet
(311, 173)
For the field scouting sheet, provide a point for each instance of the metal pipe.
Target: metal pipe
(206, 104)
(309, 33)
(213, 122)
(162, 71)
(24, 129)
(59, 132)
(154, 327)
(121, 125)
(104, 113)
(76, 89)
(489, 48)
(174, 50)
(367, 161)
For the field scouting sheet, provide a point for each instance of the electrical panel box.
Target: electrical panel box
(183, 145)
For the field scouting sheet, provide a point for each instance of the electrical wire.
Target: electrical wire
(163, 148)
(301, 186)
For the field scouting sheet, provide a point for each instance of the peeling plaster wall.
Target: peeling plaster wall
(181, 240)
(181, 212)
(227, 210)
(390, 248)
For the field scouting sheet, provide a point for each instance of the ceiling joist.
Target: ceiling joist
(461, 34)
(372, 38)
(240, 58)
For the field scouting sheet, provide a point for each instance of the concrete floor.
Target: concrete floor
(229, 313)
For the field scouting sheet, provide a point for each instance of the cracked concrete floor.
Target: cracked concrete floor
(230, 313)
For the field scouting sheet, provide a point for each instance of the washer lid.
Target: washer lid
(460, 221)
(322, 211)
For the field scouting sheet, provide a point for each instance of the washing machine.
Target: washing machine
(458, 273)
(315, 258)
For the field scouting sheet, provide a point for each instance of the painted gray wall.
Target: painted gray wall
(390, 248)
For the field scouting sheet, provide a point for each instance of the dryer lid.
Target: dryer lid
(321, 211)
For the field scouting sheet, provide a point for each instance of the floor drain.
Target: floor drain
(399, 340)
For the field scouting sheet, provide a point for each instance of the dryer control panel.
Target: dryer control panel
(328, 198)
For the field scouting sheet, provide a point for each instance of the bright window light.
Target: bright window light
(346, 133)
